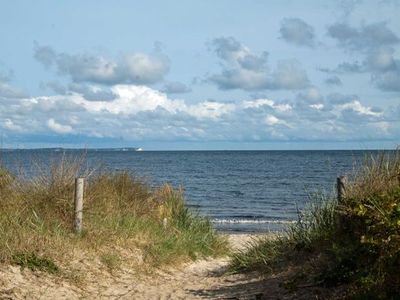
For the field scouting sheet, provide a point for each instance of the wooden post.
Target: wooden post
(341, 188)
(79, 184)
(165, 223)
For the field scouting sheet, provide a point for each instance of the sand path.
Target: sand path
(203, 279)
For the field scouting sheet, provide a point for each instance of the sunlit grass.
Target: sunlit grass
(121, 213)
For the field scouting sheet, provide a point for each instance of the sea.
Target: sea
(240, 191)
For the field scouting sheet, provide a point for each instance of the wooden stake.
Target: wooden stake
(341, 188)
(165, 223)
(79, 185)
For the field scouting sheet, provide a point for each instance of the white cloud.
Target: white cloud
(298, 32)
(381, 59)
(137, 68)
(271, 120)
(176, 88)
(245, 70)
(9, 91)
(257, 103)
(359, 108)
(377, 43)
(10, 125)
(208, 109)
(131, 99)
(317, 106)
(362, 38)
(58, 128)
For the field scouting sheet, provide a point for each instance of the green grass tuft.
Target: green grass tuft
(111, 260)
(35, 263)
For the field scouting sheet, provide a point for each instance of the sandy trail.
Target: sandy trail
(203, 279)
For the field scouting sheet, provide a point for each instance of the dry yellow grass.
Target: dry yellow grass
(122, 215)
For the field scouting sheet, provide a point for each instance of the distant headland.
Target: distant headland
(58, 149)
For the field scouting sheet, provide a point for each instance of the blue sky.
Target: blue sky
(200, 74)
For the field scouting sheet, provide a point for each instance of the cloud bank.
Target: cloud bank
(139, 113)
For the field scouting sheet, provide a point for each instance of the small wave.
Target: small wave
(254, 221)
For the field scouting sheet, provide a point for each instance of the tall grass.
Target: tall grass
(355, 242)
(121, 214)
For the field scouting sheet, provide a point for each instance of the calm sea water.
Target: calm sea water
(245, 191)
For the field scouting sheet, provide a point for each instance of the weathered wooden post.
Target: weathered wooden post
(79, 185)
(165, 223)
(341, 188)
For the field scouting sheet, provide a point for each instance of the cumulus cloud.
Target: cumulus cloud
(135, 68)
(384, 68)
(346, 7)
(8, 124)
(90, 92)
(289, 75)
(333, 80)
(380, 62)
(7, 90)
(345, 67)
(388, 81)
(350, 67)
(54, 86)
(176, 88)
(381, 59)
(243, 69)
(365, 37)
(355, 112)
(376, 44)
(339, 99)
(58, 128)
(312, 95)
(297, 32)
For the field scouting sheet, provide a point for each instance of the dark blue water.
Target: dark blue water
(238, 190)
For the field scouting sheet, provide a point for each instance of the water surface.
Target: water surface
(239, 190)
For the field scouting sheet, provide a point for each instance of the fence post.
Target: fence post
(165, 223)
(79, 185)
(341, 188)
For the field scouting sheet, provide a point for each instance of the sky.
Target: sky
(200, 75)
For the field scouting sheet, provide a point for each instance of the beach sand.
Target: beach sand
(202, 279)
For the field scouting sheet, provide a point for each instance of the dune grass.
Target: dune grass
(122, 215)
(353, 244)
